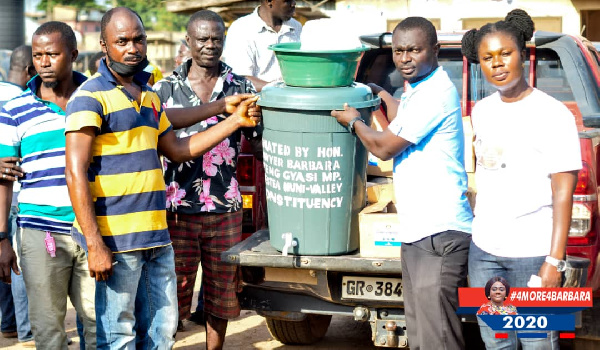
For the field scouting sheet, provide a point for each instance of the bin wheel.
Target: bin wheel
(308, 331)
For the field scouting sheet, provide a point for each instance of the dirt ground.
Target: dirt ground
(248, 331)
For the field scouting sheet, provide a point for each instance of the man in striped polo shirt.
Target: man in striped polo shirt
(115, 129)
(13, 298)
(32, 128)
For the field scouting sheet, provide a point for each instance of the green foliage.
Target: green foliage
(44, 5)
(155, 15)
(153, 12)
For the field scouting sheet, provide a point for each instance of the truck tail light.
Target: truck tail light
(247, 201)
(585, 205)
(581, 220)
(585, 185)
(245, 170)
(246, 179)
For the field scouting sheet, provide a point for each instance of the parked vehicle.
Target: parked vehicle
(251, 180)
(298, 294)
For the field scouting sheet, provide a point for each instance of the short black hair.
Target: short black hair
(518, 24)
(488, 285)
(64, 29)
(21, 57)
(107, 17)
(421, 23)
(92, 62)
(204, 15)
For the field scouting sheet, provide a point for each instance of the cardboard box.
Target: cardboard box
(379, 229)
(377, 191)
(376, 166)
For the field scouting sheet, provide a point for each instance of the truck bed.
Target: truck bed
(257, 251)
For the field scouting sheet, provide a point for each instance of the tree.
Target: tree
(44, 5)
(155, 15)
(153, 12)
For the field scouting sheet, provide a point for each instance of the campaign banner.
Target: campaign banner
(562, 322)
(525, 312)
(530, 300)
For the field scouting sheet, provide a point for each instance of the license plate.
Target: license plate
(372, 288)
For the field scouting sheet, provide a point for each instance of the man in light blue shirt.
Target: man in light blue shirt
(426, 140)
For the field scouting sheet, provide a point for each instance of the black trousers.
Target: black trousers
(432, 270)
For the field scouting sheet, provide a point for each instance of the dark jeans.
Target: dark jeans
(7, 306)
(516, 271)
(432, 271)
(7, 309)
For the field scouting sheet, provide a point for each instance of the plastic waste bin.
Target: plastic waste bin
(315, 169)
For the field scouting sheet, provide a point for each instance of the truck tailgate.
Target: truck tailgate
(257, 251)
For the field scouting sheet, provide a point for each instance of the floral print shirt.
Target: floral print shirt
(208, 183)
(491, 309)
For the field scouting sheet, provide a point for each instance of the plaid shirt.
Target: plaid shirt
(208, 183)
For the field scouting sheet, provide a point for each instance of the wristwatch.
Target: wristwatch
(560, 265)
(3, 235)
(351, 124)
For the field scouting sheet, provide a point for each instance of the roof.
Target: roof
(231, 10)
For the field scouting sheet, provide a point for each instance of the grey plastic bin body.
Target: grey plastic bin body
(315, 169)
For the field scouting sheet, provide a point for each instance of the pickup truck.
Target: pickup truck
(298, 294)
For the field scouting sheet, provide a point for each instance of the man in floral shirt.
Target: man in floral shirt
(203, 199)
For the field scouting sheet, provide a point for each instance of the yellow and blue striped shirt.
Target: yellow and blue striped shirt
(125, 173)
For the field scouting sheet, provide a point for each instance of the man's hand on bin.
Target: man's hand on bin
(345, 116)
(247, 113)
(233, 101)
(375, 89)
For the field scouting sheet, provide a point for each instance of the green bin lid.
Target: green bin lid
(283, 96)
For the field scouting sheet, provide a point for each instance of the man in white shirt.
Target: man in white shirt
(248, 39)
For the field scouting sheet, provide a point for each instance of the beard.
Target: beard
(50, 84)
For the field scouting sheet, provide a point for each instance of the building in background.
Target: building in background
(578, 17)
(230, 10)
(162, 46)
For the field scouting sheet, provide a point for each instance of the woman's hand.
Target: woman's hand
(551, 277)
